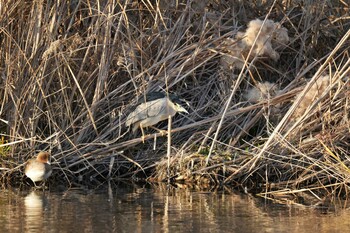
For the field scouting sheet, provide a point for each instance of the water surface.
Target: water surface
(162, 209)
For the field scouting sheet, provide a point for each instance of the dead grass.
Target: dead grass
(72, 71)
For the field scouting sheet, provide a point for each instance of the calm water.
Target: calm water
(145, 209)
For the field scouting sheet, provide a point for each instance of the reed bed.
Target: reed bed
(268, 113)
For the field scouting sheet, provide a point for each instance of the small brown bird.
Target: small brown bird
(39, 168)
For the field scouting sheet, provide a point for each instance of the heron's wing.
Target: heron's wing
(157, 107)
(132, 118)
(146, 110)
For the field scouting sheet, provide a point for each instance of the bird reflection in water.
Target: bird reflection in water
(34, 204)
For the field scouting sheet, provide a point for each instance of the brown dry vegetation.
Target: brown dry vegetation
(71, 72)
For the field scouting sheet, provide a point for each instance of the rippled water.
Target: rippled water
(161, 209)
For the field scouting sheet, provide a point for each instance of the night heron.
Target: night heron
(155, 107)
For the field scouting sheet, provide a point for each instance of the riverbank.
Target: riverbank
(268, 114)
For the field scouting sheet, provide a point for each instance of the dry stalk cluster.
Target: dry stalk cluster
(262, 91)
(261, 38)
(316, 90)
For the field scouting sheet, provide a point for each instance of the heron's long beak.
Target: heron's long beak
(181, 109)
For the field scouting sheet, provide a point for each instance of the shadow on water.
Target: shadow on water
(142, 208)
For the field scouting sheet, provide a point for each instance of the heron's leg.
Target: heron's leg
(143, 134)
(161, 131)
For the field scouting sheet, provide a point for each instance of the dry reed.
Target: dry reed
(71, 72)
